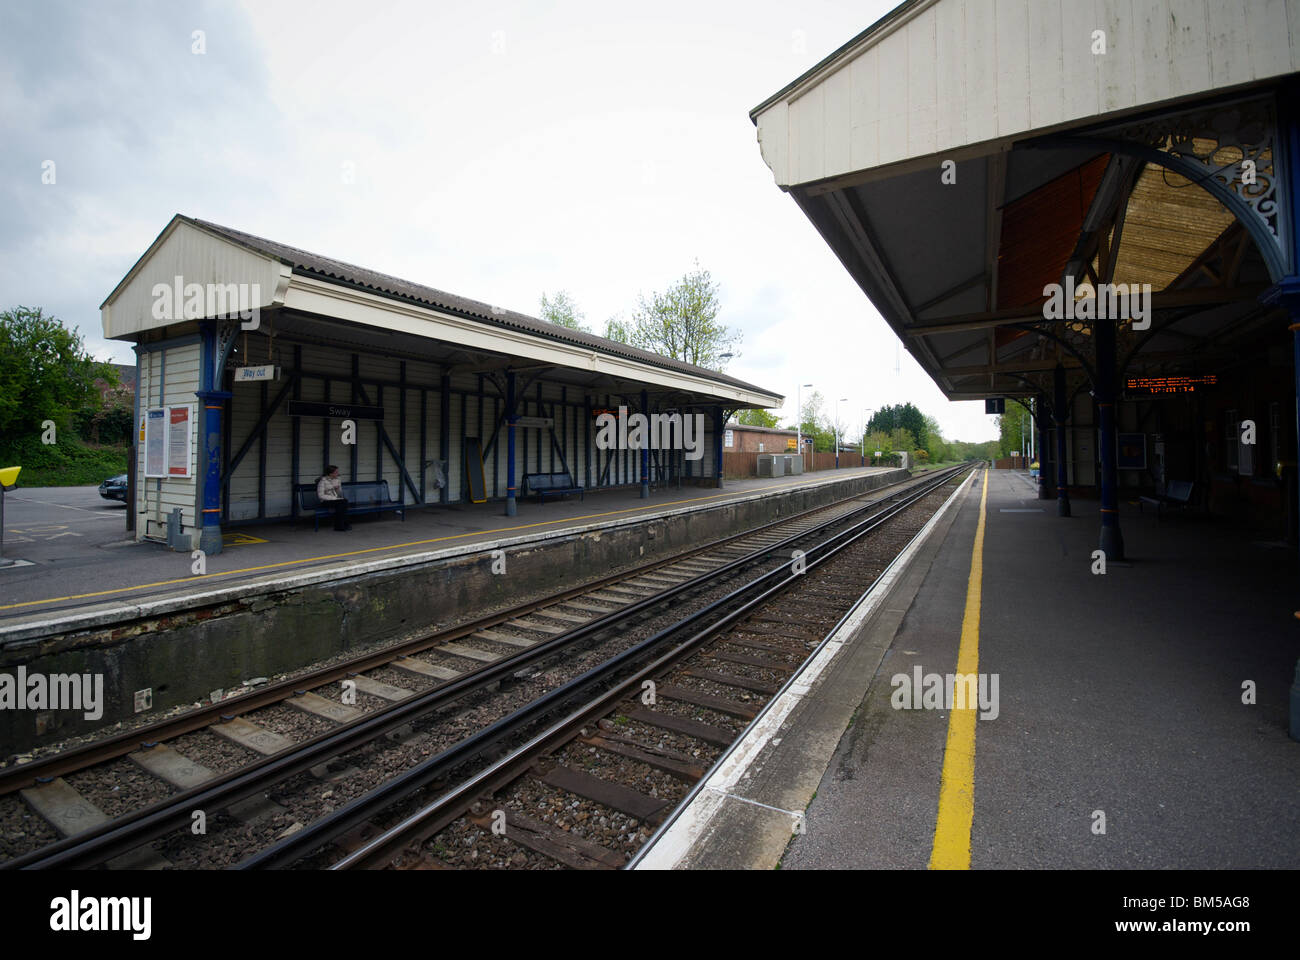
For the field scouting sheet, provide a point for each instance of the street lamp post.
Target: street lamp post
(865, 421)
(798, 418)
(836, 431)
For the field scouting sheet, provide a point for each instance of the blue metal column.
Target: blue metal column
(1040, 424)
(1111, 540)
(645, 448)
(718, 426)
(1061, 415)
(213, 401)
(511, 508)
(444, 441)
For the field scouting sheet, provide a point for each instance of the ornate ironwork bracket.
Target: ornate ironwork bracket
(226, 331)
(1229, 149)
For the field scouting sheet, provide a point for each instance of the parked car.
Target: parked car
(114, 488)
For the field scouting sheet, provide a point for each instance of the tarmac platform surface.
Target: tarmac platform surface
(78, 554)
(1121, 737)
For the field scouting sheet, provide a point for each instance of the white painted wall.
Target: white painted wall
(156, 498)
(957, 73)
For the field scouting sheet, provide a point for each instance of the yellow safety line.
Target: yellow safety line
(395, 546)
(957, 782)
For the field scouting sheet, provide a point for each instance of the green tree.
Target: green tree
(45, 374)
(682, 322)
(561, 309)
(1014, 428)
(757, 418)
(618, 329)
(936, 445)
(815, 424)
(879, 440)
(906, 416)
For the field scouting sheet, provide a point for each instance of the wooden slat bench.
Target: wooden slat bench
(1178, 493)
(551, 485)
(363, 496)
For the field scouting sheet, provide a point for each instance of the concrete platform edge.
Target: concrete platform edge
(40, 626)
(731, 824)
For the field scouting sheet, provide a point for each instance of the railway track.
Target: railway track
(585, 791)
(395, 691)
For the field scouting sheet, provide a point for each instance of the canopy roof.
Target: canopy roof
(317, 298)
(960, 156)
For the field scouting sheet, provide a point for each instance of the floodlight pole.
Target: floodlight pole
(835, 431)
(798, 417)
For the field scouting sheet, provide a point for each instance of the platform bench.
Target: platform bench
(551, 485)
(363, 496)
(1178, 493)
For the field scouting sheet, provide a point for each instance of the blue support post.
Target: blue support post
(1111, 540)
(212, 401)
(1061, 415)
(511, 508)
(719, 425)
(645, 448)
(1040, 424)
(444, 440)
(210, 458)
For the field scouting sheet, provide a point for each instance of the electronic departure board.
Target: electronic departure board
(1157, 386)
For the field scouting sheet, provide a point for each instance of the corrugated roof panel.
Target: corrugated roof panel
(1169, 223)
(328, 268)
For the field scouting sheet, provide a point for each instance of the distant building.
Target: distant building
(742, 438)
(126, 382)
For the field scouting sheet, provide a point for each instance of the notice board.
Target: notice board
(475, 486)
(169, 441)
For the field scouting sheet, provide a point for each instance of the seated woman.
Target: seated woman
(329, 490)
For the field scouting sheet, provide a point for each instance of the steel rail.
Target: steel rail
(18, 776)
(450, 805)
(134, 829)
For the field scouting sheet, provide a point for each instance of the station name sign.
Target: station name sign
(1156, 386)
(542, 422)
(333, 411)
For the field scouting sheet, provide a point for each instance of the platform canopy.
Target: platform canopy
(305, 296)
(961, 155)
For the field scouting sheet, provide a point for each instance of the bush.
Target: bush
(920, 456)
(68, 463)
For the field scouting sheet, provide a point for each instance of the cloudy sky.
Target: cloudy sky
(496, 150)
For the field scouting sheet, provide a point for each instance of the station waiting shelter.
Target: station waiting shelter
(259, 364)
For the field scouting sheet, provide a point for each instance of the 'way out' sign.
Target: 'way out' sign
(249, 374)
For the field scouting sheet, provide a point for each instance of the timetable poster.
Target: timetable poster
(155, 444)
(178, 441)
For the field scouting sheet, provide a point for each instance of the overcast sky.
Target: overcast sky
(496, 150)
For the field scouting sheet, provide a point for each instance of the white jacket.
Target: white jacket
(327, 489)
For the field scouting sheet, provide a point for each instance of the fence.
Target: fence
(739, 465)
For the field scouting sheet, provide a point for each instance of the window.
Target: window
(760, 446)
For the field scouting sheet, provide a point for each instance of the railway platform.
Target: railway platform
(169, 633)
(1135, 718)
(73, 565)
